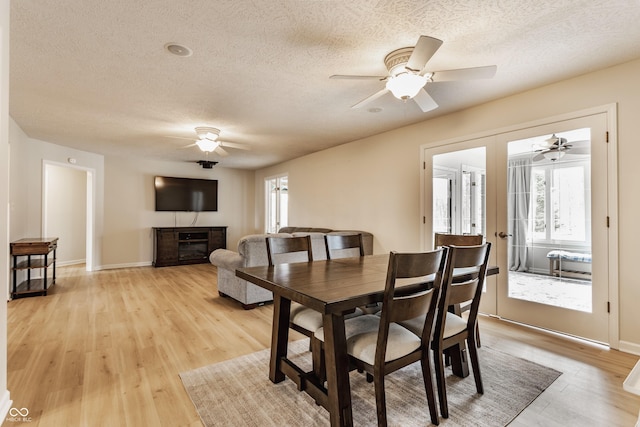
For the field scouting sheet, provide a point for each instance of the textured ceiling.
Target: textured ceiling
(94, 75)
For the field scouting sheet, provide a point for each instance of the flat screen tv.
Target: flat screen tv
(186, 194)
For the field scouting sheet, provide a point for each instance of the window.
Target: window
(459, 190)
(560, 202)
(443, 189)
(473, 203)
(277, 199)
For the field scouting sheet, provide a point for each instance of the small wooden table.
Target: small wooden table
(37, 251)
(333, 288)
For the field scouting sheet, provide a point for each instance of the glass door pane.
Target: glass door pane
(552, 222)
(459, 198)
(549, 210)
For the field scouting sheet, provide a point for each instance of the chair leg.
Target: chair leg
(381, 405)
(428, 386)
(440, 382)
(478, 343)
(475, 364)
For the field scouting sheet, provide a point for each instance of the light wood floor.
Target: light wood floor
(105, 349)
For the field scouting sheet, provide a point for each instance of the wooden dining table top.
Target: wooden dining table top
(327, 286)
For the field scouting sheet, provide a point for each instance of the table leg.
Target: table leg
(15, 275)
(279, 336)
(337, 365)
(459, 363)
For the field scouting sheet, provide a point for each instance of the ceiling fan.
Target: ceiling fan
(555, 148)
(207, 140)
(408, 74)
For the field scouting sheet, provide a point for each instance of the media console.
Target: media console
(186, 245)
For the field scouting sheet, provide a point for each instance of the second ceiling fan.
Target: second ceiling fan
(408, 74)
(207, 140)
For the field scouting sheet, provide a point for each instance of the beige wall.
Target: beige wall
(374, 183)
(5, 401)
(130, 206)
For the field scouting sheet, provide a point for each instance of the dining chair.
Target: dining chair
(378, 345)
(301, 318)
(445, 239)
(343, 245)
(453, 332)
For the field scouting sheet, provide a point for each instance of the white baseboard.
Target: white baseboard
(5, 404)
(72, 262)
(630, 347)
(130, 265)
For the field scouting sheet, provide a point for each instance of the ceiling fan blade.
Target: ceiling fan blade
(349, 77)
(422, 53)
(190, 145)
(220, 151)
(464, 74)
(235, 145)
(578, 150)
(538, 157)
(425, 101)
(179, 137)
(371, 98)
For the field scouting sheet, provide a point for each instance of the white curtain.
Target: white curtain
(519, 190)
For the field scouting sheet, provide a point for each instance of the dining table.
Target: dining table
(334, 288)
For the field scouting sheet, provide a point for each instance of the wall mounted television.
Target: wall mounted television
(186, 194)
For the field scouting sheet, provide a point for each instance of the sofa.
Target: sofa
(252, 251)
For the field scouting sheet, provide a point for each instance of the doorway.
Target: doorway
(67, 212)
(547, 214)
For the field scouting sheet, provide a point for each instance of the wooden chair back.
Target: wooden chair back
(287, 245)
(443, 239)
(412, 289)
(338, 245)
(474, 260)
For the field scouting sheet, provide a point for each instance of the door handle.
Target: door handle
(503, 235)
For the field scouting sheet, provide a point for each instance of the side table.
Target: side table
(37, 252)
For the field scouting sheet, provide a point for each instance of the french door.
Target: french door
(552, 227)
(458, 200)
(542, 201)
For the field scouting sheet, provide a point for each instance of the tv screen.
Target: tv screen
(186, 194)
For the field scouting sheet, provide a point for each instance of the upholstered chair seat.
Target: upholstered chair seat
(308, 319)
(362, 336)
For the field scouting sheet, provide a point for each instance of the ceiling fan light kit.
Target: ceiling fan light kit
(553, 155)
(406, 85)
(206, 145)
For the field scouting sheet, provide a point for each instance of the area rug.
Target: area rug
(238, 392)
